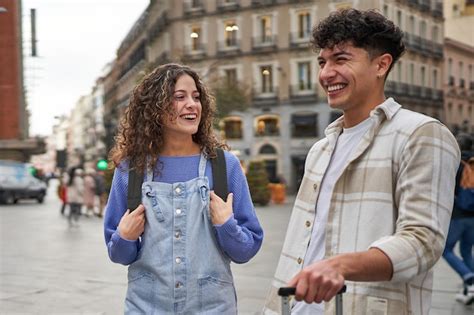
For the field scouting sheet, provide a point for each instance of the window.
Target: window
(266, 79)
(435, 34)
(304, 24)
(230, 33)
(233, 128)
(461, 69)
(399, 18)
(411, 25)
(304, 76)
(470, 74)
(423, 76)
(435, 79)
(231, 76)
(385, 10)
(423, 29)
(399, 71)
(450, 67)
(268, 126)
(304, 125)
(412, 74)
(266, 29)
(195, 38)
(267, 149)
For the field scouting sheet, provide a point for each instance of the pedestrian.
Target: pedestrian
(75, 195)
(89, 192)
(100, 191)
(180, 241)
(62, 190)
(374, 205)
(461, 228)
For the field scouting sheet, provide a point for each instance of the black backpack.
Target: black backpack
(219, 176)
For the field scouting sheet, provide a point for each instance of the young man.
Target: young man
(374, 205)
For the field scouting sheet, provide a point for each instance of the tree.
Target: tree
(257, 178)
(230, 97)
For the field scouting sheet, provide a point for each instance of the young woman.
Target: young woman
(180, 241)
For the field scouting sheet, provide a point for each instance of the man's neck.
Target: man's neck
(354, 116)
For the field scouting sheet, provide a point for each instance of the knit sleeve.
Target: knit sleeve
(240, 237)
(120, 250)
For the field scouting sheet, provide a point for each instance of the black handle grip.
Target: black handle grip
(287, 291)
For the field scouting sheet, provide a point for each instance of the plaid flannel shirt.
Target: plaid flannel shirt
(396, 193)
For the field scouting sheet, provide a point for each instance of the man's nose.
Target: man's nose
(327, 72)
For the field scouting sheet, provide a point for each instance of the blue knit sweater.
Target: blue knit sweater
(240, 237)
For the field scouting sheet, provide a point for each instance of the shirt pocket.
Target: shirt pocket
(216, 296)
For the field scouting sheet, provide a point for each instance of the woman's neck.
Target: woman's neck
(180, 148)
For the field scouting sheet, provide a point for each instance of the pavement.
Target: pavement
(48, 268)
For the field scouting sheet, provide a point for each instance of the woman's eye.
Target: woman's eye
(179, 97)
(197, 98)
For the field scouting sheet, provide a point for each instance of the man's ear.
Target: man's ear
(383, 64)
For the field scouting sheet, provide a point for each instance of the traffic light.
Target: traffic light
(102, 165)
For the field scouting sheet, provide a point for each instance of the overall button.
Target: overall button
(315, 186)
(177, 190)
(178, 260)
(308, 224)
(178, 211)
(177, 234)
(299, 260)
(178, 285)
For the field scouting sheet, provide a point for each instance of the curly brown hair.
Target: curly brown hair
(140, 134)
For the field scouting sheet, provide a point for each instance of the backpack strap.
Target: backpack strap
(219, 174)
(134, 194)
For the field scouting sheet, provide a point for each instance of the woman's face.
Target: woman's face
(187, 108)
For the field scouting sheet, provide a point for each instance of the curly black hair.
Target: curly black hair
(369, 30)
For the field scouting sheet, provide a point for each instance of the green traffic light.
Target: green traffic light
(102, 165)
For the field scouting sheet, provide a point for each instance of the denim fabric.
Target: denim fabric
(461, 230)
(180, 268)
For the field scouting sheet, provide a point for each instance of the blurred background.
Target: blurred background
(67, 69)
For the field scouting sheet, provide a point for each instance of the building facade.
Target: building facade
(264, 46)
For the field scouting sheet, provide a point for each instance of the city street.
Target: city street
(48, 268)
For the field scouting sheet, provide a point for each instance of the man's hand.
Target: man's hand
(317, 282)
(132, 225)
(220, 210)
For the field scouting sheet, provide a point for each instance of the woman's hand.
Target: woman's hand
(220, 210)
(132, 224)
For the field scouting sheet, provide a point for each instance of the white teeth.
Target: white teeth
(335, 87)
(190, 116)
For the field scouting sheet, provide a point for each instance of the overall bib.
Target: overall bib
(180, 268)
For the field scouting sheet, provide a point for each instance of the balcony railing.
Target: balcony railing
(438, 10)
(451, 80)
(225, 48)
(223, 5)
(195, 51)
(462, 83)
(298, 40)
(471, 85)
(425, 5)
(194, 8)
(267, 97)
(264, 42)
(258, 3)
(304, 93)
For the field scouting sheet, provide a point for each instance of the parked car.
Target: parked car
(17, 183)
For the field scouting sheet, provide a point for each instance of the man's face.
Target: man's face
(348, 76)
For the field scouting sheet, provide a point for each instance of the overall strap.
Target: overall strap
(219, 174)
(134, 193)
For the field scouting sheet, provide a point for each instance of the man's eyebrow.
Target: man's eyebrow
(335, 55)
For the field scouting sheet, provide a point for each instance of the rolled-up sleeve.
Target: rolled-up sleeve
(424, 197)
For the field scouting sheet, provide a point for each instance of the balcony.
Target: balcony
(195, 52)
(264, 43)
(462, 83)
(226, 6)
(396, 88)
(438, 10)
(425, 5)
(228, 48)
(264, 98)
(300, 40)
(262, 3)
(303, 94)
(414, 3)
(194, 8)
(451, 80)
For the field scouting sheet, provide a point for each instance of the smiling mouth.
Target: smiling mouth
(189, 117)
(335, 87)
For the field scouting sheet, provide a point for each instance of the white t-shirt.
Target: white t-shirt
(345, 145)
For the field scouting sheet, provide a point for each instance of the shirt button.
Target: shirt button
(178, 260)
(178, 211)
(315, 186)
(178, 285)
(299, 260)
(177, 190)
(177, 234)
(308, 224)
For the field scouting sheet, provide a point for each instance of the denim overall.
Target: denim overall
(180, 268)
